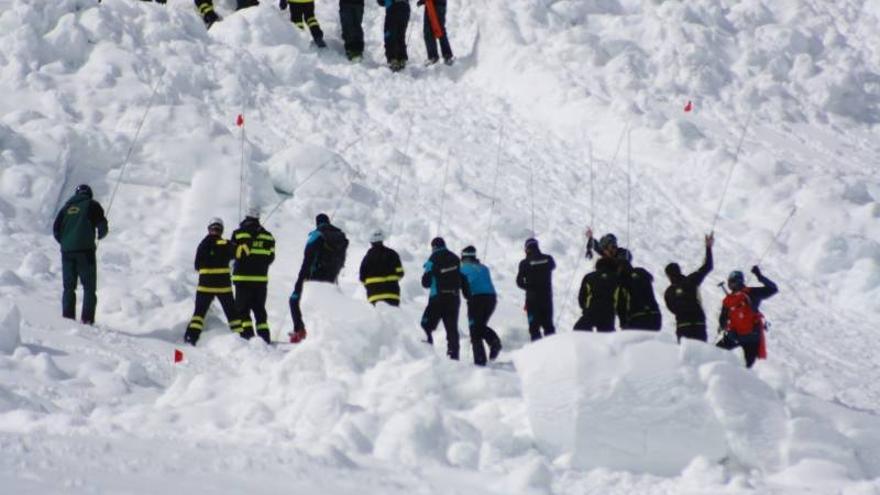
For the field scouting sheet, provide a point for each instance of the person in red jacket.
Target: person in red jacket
(741, 320)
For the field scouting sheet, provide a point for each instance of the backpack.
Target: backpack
(331, 259)
(742, 319)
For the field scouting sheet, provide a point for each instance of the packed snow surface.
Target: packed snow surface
(556, 116)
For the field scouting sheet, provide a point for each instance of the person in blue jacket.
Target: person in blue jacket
(442, 276)
(478, 290)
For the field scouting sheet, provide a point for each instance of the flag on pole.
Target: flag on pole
(687, 106)
(239, 121)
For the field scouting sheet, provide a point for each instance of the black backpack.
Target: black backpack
(331, 259)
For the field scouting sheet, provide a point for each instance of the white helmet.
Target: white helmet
(253, 211)
(216, 221)
(377, 236)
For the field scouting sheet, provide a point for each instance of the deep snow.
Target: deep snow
(363, 404)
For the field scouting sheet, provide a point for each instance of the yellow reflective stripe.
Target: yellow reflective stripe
(399, 269)
(197, 326)
(214, 290)
(265, 252)
(222, 242)
(242, 235)
(213, 271)
(263, 326)
(250, 278)
(242, 249)
(300, 25)
(379, 280)
(313, 22)
(197, 318)
(205, 8)
(247, 324)
(266, 237)
(382, 297)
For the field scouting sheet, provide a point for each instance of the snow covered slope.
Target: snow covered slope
(363, 404)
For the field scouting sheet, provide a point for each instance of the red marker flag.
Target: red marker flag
(239, 121)
(688, 106)
(178, 356)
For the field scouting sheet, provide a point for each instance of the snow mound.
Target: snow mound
(10, 327)
(639, 402)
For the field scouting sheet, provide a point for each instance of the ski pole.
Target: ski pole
(494, 187)
(443, 193)
(628, 181)
(399, 175)
(732, 168)
(134, 141)
(241, 173)
(776, 237)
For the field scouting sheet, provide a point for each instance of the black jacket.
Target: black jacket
(636, 299)
(683, 295)
(316, 264)
(535, 276)
(254, 252)
(597, 298)
(212, 262)
(380, 273)
(442, 273)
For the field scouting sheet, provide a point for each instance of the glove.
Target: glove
(756, 271)
(191, 336)
(282, 4)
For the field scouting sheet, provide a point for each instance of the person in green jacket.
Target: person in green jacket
(75, 228)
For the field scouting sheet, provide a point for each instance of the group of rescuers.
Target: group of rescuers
(351, 15)
(615, 289)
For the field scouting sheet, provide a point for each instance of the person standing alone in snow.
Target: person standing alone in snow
(535, 276)
(75, 227)
(741, 319)
(212, 262)
(323, 259)
(442, 276)
(478, 290)
(254, 252)
(381, 272)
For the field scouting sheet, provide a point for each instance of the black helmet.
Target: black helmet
(84, 189)
(469, 252)
(607, 241)
(531, 243)
(321, 219)
(438, 242)
(673, 270)
(736, 280)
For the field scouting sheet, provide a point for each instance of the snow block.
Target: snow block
(10, 327)
(632, 401)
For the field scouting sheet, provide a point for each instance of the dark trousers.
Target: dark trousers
(203, 302)
(243, 4)
(79, 266)
(587, 323)
(351, 19)
(696, 331)
(390, 302)
(540, 314)
(479, 310)
(644, 321)
(296, 313)
(443, 307)
(430, 41)
(396, 22)
(749, 346)
(302, 15)
(250, 297)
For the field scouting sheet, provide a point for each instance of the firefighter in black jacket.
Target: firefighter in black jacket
(683, 297)
(597, 298)
(212, 262)
(637, 307)
(443, 278)
(535, 276)
(254, 252)
(381, 272)
(323, 259)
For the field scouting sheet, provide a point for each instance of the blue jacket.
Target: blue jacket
(475, 279)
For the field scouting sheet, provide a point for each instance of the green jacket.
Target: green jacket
(77, 222)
